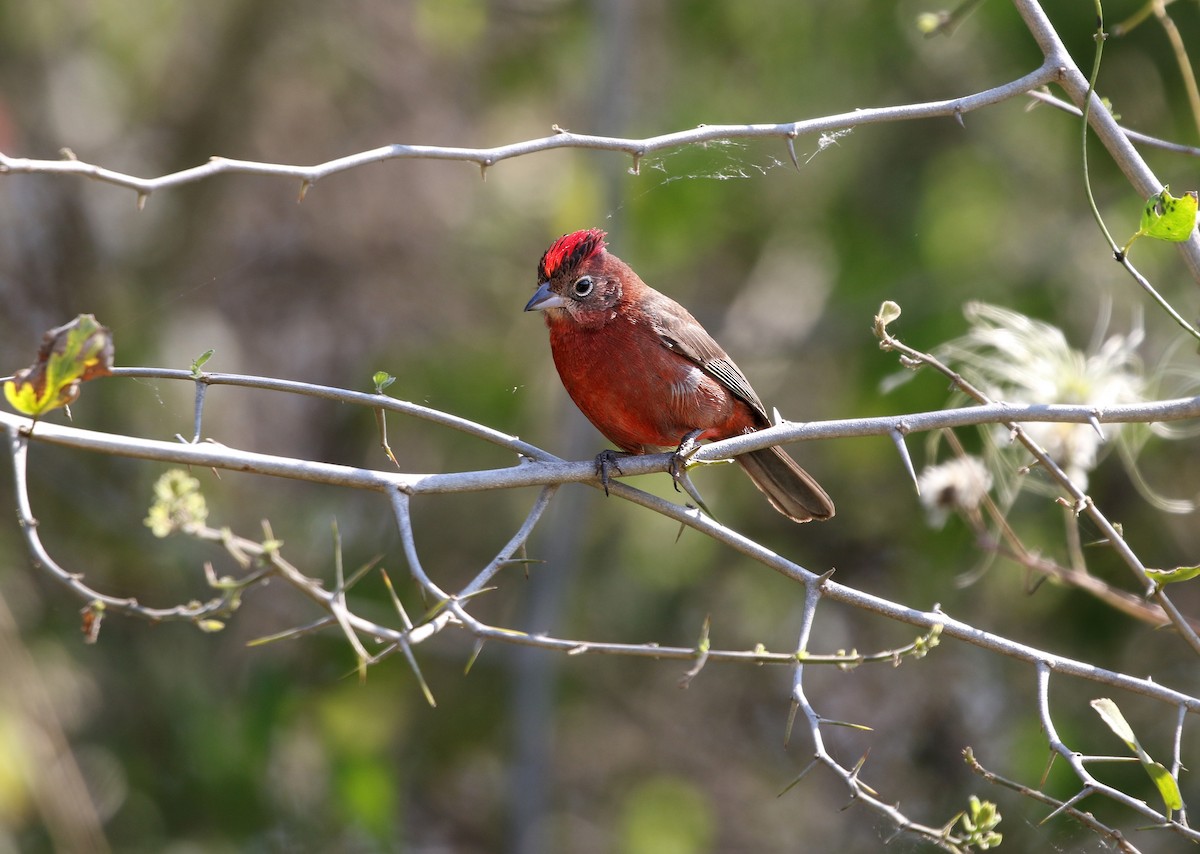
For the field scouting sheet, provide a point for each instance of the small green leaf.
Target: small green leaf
(888, 313)
(382, 380)
(70, 354)
(200, 361)
(979, 824)
(178, 503)
(1166, 217)
(210, 625)
(1168, 789)
(1171, 576)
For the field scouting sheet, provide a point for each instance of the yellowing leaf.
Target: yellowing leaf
(1168, 789)
(1112, 716)
(70, 354)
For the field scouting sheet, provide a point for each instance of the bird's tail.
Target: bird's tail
(790, 489)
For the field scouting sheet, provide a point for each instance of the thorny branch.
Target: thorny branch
(1057, 68)
(857, 790)
(1079, 501)
(484, 158)
(1084, 818)
(535, 467)
(1078, 763)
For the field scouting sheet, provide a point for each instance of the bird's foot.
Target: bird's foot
(687, 446)
(608, 461)
(679, 464)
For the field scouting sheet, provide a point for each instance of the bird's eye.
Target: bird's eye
(583, 286)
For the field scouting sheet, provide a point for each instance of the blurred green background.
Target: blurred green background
(192, 742)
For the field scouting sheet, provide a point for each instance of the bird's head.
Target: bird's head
(578, 280)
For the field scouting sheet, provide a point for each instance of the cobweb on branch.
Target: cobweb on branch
(724, 160)
(727, 160)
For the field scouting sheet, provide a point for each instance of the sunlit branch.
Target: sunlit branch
(487, 157)
(1080, 502)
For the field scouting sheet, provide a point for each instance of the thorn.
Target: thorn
(694, 493)
(474, 656)
(790, 142)
(797, 779)
(858, 766)
(1067, 804)
(897, 435)
(304, 185)
(1049, 765)
(141, 200)
(636, 168)
(958, 117)
(848, 725)
(387, 581)
(1095, 422)
(483, 167)
(787, 732)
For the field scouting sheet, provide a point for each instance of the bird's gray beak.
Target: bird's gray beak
(544, 298)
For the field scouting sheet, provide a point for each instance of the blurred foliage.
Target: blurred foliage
(419, 268)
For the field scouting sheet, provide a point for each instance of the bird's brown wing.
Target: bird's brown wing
(790, 489)
(681, 333)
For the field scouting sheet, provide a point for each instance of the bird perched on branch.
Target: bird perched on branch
(647, 374)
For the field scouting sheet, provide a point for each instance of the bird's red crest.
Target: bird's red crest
(569, 251)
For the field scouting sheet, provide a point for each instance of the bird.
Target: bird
(649, 376)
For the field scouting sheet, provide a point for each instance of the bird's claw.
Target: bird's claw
(607, 461)
(679, 465)
(679, 460)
